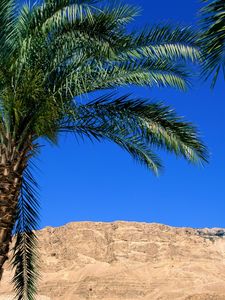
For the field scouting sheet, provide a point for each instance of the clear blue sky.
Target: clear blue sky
(100, 182)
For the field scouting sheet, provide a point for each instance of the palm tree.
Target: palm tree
(212, 39)
(52, 53)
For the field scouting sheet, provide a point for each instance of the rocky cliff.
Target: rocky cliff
(129, 261)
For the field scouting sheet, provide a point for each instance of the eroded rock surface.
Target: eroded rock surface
(129, 261)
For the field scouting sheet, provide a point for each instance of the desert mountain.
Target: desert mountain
(129, 261)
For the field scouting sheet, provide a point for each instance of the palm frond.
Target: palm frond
(144, 63)
(164, 41)
(136, 147)
(58, 49)
(54, 12)
(212, 39)
(151, 57)
(122, 13)
(138, 124)
(25, 256)
(95, 75)
(7, 32)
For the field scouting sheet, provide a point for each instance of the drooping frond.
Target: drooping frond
(122, 13)
(25, 255)
(53, 37)
(152, 58)
(58, 49)
(95, 76)
(54, 12)
(164, 41)
(137, 126)
(7, 23)
(212, 39)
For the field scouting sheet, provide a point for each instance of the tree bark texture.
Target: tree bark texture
(12, 166)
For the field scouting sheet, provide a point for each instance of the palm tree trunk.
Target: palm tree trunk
(12, 166)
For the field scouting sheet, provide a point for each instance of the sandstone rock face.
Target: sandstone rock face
(129, 261)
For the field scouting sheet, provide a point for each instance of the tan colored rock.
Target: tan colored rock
(129, 261)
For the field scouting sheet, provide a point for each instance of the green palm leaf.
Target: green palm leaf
(25, 258)
(138, 126)
(55, 51)
(212, 39)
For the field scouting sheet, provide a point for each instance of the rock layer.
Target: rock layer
(129, 261)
